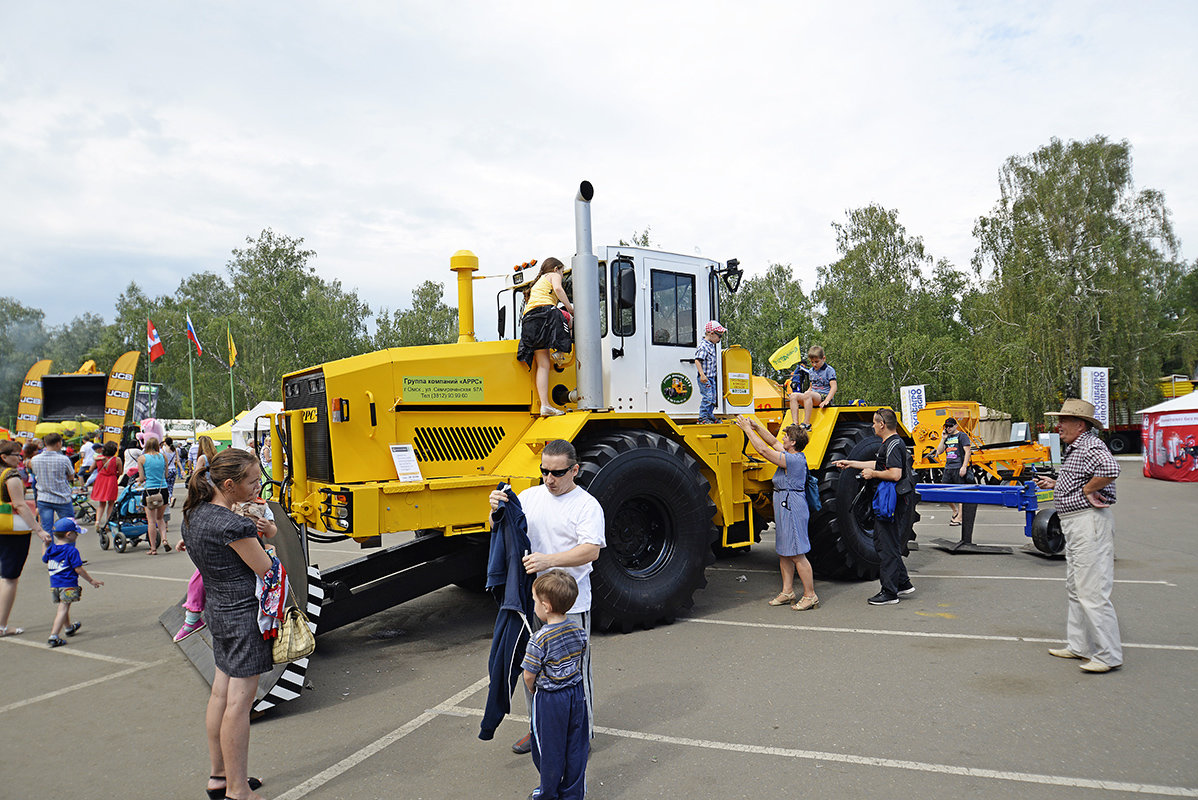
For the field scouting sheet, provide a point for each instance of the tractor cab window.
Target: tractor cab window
(673, 308)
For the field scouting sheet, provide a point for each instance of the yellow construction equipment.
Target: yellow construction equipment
(1000, 462)
(414, 439)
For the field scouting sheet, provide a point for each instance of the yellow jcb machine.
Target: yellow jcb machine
(413, 439)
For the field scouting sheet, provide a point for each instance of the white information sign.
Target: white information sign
(1096, 390)
(406, 466)
(912, 399)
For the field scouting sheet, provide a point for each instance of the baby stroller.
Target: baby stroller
(127, 525)
(85, 512)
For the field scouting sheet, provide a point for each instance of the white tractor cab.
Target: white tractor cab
(653, 307)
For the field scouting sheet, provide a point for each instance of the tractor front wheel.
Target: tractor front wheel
(658, 526)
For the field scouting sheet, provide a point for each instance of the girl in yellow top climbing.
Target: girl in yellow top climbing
(543, 327)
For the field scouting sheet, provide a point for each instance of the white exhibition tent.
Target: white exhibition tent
(1170, 435)
(242, 430)
(1185, 402)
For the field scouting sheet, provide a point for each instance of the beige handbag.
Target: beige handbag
(155, 500)
(295, 639)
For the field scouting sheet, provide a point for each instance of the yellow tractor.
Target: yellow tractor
(413, 439)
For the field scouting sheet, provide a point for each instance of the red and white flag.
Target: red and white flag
(153, 342)
(191, 334)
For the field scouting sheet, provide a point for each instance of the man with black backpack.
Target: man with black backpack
(893, 465)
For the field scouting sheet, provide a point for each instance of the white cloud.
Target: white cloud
(145, 141)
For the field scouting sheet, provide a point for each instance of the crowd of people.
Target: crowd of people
(47, 482)
(224, 528)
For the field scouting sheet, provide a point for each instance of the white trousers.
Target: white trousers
(1092, 629)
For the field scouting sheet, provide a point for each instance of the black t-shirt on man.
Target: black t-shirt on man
(893, 453)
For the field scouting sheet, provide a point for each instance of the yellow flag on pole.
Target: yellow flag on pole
(232, 347)
(787, 355)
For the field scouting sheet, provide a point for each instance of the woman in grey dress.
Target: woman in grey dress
(228, 552)
(790, 508)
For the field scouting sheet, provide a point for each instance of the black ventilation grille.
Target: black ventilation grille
(458, 443)
(308, 391)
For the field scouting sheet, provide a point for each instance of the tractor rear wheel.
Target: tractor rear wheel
(659, 527)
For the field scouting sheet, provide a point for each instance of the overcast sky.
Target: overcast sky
(144, 141)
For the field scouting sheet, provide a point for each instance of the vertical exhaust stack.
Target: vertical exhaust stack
(463, 262)
(585, 269)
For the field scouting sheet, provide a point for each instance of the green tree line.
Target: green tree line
(1073, 267)
(280, 314)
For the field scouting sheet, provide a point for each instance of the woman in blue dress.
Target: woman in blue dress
(790, 508)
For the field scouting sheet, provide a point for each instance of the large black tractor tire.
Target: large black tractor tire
(659, 528)
(841, 533)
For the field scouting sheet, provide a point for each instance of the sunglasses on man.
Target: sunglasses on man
(557, 473)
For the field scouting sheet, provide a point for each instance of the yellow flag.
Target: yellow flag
(232, 348)
(787, 355)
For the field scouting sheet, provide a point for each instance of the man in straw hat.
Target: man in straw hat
(1085, 492)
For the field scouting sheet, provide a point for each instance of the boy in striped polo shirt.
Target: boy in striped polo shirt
(553, 673)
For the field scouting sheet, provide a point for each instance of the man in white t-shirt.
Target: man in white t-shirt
(87, 457)
(566, 531)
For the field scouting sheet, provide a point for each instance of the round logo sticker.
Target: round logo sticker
(677, 388)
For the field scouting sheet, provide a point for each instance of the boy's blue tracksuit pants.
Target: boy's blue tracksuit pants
(560, 742)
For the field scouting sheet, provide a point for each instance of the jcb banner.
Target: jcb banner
(29, 409)
(116, 399)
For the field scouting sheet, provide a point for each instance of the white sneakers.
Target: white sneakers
(1096, 667)
(1064, 652)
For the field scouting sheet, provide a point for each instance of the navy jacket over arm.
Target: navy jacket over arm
(511, 587)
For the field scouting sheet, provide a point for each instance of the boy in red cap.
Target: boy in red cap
(707, 361)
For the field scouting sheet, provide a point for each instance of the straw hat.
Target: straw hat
(1076, 408)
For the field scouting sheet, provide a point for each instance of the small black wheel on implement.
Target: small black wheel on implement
(1046, 532)
(659, 531)
(120, 542)
(103, 534)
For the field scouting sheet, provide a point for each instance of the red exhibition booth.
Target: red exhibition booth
(1169, 432)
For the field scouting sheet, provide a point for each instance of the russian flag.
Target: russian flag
(191, 334)
(153, 342)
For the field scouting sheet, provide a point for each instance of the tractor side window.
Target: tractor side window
(673, 308)
(623, 297)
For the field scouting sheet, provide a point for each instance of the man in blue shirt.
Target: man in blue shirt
(54, 473)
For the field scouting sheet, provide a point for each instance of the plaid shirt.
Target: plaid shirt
(54, 473)
(706, 356)
(1086, 458)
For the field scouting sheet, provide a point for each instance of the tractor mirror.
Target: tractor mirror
(732, 275)
(626, 287)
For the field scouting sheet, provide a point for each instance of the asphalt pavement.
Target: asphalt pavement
(951, 693)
